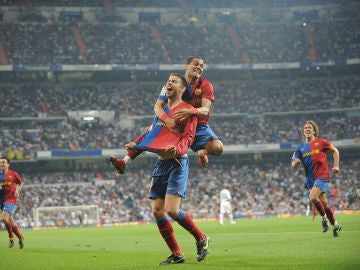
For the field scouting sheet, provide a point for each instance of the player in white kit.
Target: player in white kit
(225, 206)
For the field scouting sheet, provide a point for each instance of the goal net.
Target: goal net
(65, 216)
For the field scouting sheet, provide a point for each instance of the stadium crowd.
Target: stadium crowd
(250, 97)
(170, 3)
(263, 39)
(258, 189)
(244, 112)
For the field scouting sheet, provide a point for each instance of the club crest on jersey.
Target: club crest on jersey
(198, 91)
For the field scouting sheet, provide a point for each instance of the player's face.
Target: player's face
(308, 131)
(173, 87)
(3, 164)
(195, 68)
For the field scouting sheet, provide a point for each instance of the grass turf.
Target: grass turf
(270, 243)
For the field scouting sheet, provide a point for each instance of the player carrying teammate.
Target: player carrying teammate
(200, 94)
(170, 175)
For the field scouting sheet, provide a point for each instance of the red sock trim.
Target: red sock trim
(167, 232)
(17, 232)
(330, 215)
(9, 229)
(320, 207)
(188, 224)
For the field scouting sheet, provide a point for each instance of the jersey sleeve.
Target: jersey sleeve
(18, 179)
(208, 91)
(327, 145)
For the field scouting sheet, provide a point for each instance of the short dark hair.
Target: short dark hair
(191, 58)
(183, 80)
(7, 159)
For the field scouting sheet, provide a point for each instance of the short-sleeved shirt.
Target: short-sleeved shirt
(313, 157)
(159, 137)
(11, 180)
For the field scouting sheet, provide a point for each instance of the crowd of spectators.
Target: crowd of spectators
(246, 41)
(244, 112)
(172, 3)
(258, 189)
(250, 97)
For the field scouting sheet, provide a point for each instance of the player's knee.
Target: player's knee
(5, 218)
(158, 213)
(314, 199)
(173, 213)
(216, 148)
(219, 150)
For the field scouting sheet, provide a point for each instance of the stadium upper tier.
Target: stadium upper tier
(331, 35)
(170, 3)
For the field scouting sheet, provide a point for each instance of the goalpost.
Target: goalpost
(65, 216)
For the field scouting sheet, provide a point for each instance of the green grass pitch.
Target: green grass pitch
(270, 243)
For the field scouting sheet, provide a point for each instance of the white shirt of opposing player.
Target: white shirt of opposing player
(225, 198)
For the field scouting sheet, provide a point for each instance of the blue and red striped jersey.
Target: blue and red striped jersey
(159, 137)
(313, 157)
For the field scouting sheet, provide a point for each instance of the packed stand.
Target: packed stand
(172, 3)
(258, 189)
(249, 113)
(247, 97)
(255, 41)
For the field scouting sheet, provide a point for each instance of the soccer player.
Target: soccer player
(11, 185)
(170, 175)
(200, 94)
(225, 206)
(312, 154)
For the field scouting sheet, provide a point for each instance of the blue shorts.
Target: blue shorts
(203, 135)
(321, 183)
(169, 177)
(9, 207)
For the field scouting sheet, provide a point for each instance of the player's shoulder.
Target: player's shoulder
(302, 144)
(14, 173)
(204, 82)
(321, 140)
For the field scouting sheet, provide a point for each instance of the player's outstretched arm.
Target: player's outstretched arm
(204, 110)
